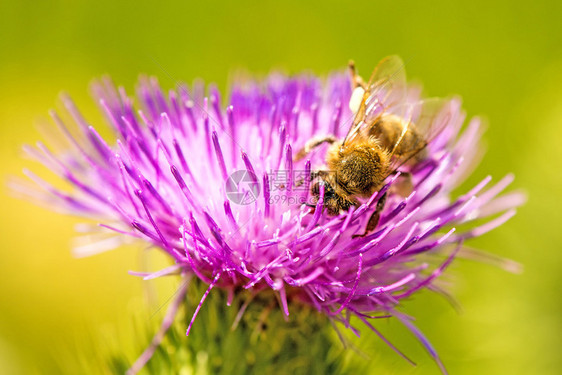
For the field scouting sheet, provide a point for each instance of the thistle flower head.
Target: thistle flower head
(215, 184)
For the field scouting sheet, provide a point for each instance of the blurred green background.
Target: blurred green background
(503, 57)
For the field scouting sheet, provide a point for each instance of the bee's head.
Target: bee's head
(334, 202)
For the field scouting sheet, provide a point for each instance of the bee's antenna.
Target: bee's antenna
(356, 80)
(352, 72)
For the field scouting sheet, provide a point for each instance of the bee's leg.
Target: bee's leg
(375, 217)
(312, 144)
(356, 80)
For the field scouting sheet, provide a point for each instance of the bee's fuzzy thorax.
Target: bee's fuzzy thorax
(360, 168)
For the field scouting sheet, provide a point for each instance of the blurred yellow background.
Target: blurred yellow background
(503, 57)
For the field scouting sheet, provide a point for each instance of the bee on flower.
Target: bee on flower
(327, 193)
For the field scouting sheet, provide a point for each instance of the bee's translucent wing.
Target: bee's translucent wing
(431, 115)
(386, 89)
(427, 117)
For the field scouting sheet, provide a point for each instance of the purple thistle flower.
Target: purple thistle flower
(220, 193)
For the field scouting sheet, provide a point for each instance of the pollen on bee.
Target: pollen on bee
(356, 98)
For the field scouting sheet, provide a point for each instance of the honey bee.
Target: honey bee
(382, 138)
